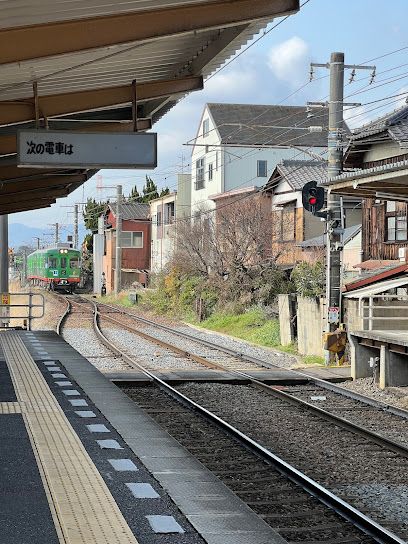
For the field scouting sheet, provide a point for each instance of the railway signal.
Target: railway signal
(312, 197)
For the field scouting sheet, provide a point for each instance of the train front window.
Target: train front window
(52, 262)
(74, 262)
(63, 262)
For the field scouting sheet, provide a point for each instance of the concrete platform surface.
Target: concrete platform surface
(389, 337)
(82, 463)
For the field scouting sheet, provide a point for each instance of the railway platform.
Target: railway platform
(81, 463)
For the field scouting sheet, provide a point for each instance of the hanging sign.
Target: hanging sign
(59, 149)
(5, 299)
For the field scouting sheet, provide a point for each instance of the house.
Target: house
(315, 248)
(135, 241)
(163, 216)
(377, 163)
(239, 145)
(292, 224)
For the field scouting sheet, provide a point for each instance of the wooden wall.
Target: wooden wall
(374, 243)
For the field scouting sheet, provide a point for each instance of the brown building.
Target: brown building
(292, 224)
(136, 241)
(380, 150)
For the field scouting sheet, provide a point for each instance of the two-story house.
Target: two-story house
(135, 242)
(239, 145)
(377, 162)
(293, 226)
(163, 216)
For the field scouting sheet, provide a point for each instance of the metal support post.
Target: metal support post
(4, 257)
(118, 252)
(4, 267)
(56, 233)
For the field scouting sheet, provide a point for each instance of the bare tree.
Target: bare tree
(231, 249)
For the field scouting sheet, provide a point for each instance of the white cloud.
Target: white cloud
(288, 60)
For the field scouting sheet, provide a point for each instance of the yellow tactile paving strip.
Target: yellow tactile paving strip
(85, 509)
(10, 408)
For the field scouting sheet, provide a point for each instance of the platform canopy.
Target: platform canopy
(90, 65)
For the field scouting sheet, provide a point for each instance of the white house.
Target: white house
(239, 145)
(163, 215)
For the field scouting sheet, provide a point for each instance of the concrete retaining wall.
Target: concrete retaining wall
(287, 319)
(310, 326)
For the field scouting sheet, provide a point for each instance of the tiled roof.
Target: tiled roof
(320, 241)
(391, 119)
(254, 124)
(132, 210)
(298, 173)
(400, 134)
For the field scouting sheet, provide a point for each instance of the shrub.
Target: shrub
(309, 279)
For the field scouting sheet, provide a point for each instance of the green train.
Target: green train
(57, 268)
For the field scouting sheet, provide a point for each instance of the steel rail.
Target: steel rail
(278, 393)
(346, 511)
(64, 316)
(312, 379)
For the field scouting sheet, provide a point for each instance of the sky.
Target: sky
(270, 72)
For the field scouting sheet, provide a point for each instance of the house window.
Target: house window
(199, 184)
(206, 127)
(169, 213)
(288, 222)
(210, 171)
(396, 223)
(132, 239)
(262, 169)
(159, 219)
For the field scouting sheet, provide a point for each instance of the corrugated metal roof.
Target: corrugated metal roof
(254, 124)
(85, 59)
(378, 288)
(132, 210)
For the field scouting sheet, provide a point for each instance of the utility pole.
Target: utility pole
(38, 241)
(76, 222)
(76, 226)
(118, 252)
(334, 221)
(56, 232)
(334, 228)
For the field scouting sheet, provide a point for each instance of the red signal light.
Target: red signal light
(312, 200)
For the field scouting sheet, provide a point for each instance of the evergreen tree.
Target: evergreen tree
(134, 195)
(164, 192)
(93, 210)
(149, 191)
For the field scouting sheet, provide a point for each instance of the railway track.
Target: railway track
(256, 470)
(354, 413)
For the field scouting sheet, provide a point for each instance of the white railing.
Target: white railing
(371, 308)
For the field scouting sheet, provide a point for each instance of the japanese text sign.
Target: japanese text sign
(57, 149)
(4, 299)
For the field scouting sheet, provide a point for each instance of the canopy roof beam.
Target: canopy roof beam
(19, 111)
(57, 38)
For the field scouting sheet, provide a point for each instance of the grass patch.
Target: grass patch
(252, 326)
(313, 360)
